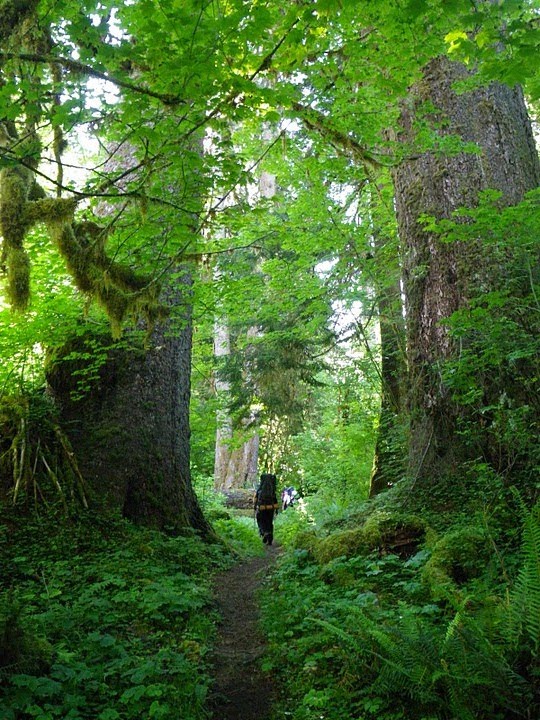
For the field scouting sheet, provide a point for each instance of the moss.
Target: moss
(214, 514)
(120, 291)
(52, 210)
(12, 13)
(15, 185)
(384, 531)
(307, 540)
(18, 278)
(458, 556)
(345, 543)
(107, 432)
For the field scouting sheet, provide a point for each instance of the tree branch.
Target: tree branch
(315, 120)
(75, 66)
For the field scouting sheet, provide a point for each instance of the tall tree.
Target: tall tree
(441, 278)
(132, 429)
(130, 426)
(388, 463)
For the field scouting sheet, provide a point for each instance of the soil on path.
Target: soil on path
(241, 691)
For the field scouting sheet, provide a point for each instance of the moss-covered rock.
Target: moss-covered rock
(384, 531)
(308, 541)
(457, 557)
(345, 543)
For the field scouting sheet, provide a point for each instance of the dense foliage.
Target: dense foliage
(100, 619)
(443, 626)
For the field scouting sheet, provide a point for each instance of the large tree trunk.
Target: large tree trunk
(440, 277)
(237, 467)
(130, 430)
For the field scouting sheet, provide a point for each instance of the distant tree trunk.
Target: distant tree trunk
(388, 461)
(234, 467)
(236, 459)
(389, 451)
(440, 277)
(130, 431)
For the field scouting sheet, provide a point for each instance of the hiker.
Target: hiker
(265, 505)
(288, 496)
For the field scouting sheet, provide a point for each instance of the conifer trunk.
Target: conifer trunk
(130, 431)
(388, 460)
(234, 466)
(439, 278)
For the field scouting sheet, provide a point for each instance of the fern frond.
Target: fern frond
(525, 596)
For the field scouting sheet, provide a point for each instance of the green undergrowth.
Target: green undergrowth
(100, 619)
(237, 529)
(445, 627)
(240, 534)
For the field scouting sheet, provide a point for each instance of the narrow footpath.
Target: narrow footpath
(241, 691)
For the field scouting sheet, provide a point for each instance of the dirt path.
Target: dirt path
(241, 691)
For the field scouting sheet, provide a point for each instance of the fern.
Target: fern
(525, 596)
(457, 667)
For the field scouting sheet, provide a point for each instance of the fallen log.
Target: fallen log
(240, 498)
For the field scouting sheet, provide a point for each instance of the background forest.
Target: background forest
(243, 237)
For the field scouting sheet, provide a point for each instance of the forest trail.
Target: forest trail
(241, 691)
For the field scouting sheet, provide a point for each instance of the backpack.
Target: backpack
(266, 492)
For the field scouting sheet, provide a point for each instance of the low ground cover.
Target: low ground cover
(445, 630)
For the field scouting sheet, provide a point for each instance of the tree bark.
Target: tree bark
(440, 277)
(130, 431)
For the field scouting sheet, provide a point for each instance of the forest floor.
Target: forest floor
(241, 690)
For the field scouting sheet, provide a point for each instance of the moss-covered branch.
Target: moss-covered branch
(116, 287)
(315, 120)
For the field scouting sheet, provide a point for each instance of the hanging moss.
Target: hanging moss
(120, 291)
(14, 188)
(115, 304)
(18, 278)
(15, 185)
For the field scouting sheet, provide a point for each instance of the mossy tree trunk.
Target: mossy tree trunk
(439, 277)
(130, 429)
